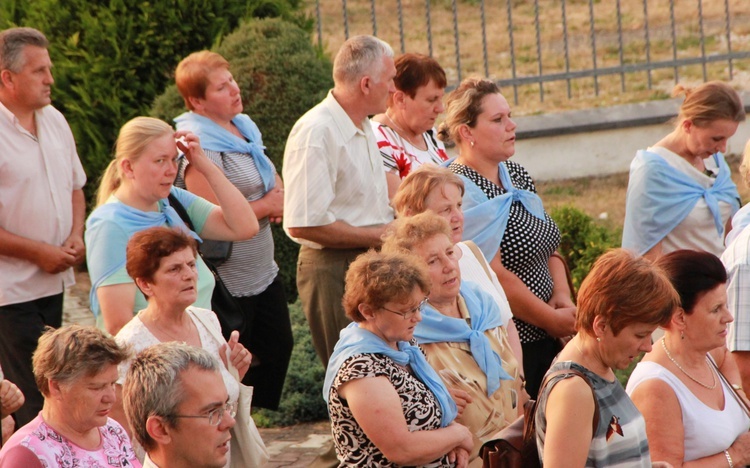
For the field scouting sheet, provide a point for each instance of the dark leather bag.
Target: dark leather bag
(228, 311)
(515, 445)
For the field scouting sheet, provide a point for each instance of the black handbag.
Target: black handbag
(225, 306)
(515, 445)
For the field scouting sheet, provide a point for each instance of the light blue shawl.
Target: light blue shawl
(659, 197)
(485, 220)
(485, 315)
(354, 340)
(103, 262)
(214, 137)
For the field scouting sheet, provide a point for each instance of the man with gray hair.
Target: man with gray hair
(178, 407)
(336, 201)
(42, 208)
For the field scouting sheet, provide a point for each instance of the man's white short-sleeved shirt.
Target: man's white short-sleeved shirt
(333, 171)
(37, 177)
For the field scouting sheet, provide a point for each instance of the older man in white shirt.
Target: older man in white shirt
(42, 207)
(336, 200)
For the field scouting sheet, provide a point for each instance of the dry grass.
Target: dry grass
(551, 42)
(606, 194)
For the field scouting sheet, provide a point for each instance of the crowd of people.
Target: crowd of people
(436, 296)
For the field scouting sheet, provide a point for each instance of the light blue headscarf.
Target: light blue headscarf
(485, 315)
(103, 264)
(485, 220)
(659, 197)
(354, 340)
(214, 137)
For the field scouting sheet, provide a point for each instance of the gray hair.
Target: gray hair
(358, 57)
(12, 43)
(153, 384)
(69, 353)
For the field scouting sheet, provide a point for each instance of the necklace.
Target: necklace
(156, 325)
(402, 133)
(710, 387)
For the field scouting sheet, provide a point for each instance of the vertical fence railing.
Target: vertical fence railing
(454, 5)
(604, 39)
(647, 41)
(511, 46)
(537, 27)
(566, 51)
(729, 37)
(428, 23)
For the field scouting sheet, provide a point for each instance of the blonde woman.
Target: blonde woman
(680, 192)
(132, 197)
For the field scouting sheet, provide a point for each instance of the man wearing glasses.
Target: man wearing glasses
(178, 407)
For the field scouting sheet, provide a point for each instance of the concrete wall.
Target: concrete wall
(599, 141)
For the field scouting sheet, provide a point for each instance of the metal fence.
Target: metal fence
(555, 45)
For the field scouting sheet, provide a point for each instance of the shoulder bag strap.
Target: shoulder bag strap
(595, 421)
(737, 396)
(480, 258)
(568, 274)
(216, 334)
(181, 211)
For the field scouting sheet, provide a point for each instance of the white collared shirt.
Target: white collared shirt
(37, 177)
(333, 172)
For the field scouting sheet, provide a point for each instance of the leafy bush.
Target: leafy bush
(302, 398)
(113, 57)
(281, 76)
(582, 240)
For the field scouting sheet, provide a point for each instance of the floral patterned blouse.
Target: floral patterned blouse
(421, 410)
(400, 156)
(39, 445)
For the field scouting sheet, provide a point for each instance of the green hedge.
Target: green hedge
(582, 240)
(281, 76)
(302, 398)
(112, 58)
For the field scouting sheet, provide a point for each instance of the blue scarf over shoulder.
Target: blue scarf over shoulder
(354, 340)
(485, 220)
(485, 315)
(660, 197)
(214, 137)
(131, 220)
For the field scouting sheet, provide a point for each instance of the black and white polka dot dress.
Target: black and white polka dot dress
(528, 242)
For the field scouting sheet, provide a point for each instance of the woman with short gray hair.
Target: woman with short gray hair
(75, 368)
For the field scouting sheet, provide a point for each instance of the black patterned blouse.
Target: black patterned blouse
(528, 242)
(421, 410)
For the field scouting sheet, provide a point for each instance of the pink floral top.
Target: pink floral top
(402, 157)
(38, 445)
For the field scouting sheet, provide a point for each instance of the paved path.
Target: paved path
(293, 447)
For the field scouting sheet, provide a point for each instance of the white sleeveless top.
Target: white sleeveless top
(707, 431)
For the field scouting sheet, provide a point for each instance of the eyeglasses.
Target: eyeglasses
(411, 312)
(215, 415)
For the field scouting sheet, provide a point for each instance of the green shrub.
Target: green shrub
(302, 397)
(112, 58)
(582, 240)
(281, 76)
